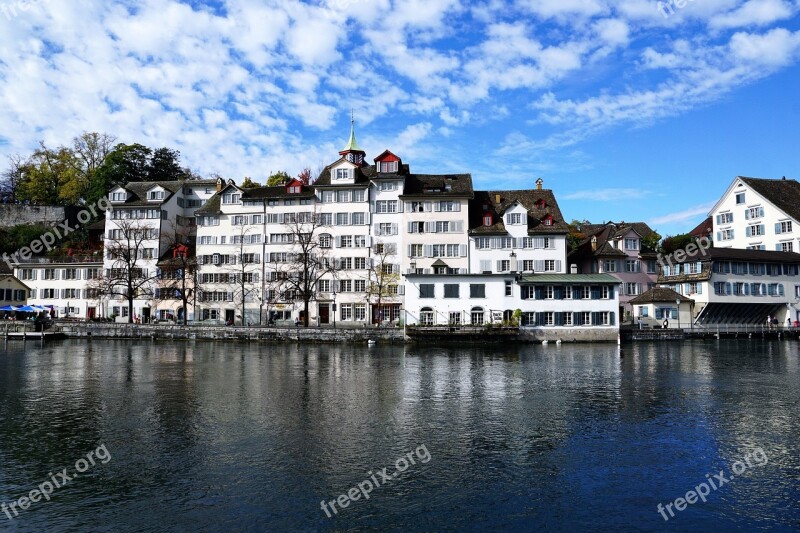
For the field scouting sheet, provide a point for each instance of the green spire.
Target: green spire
(352, 145)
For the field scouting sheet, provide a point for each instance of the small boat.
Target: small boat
(371, 342)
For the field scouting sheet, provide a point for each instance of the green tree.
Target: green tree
(675, 242)
(249, 183)
(123, 164)
(50, 178)
(165, 166)
(576, 235)
(278, 178)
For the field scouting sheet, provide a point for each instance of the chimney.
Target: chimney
(497, 198)
(220, 183)
(573, 269)
(539, 184)
(594, 243)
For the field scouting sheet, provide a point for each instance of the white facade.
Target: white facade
(747, 216)
(435, 235)
(65, 286)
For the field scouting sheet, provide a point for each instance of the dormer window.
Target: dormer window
(295, 189)
(342, 174)
(514, 219)
(231, 198)
(118, 196)
(540, 204)
(155, 195)
(547, 221)
(488, 219)
(388, 166)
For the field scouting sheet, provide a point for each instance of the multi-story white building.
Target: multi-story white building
(149, 218)
(12, 291)
(517, 231)
(734, 286)
(759, 214)
(66, 286)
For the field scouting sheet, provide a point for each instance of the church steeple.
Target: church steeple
(352, 152)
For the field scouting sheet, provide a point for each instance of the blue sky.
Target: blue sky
(626, 110)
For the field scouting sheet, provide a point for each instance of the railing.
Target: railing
(740, 328)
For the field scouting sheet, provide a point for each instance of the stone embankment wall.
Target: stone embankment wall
(49, 215)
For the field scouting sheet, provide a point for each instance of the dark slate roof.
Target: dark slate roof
(140, 188)
(361, 176)
(277, 191)
(438, 186)
(211, 207)
(659, 294)
(606, 233)
(371, 172)
(704, 229)
(738, 254)
(527, 198)
(783, 193)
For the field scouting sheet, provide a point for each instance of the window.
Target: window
(346, 312)
(605, 292)
(231, 198)
(346, 241)
(360, 312)
(527, 265)
(550, 265)
(631, 244)
(415, 250)
(631, 289)
(503, 265)
(324, 285)
(342, 219)
(549, 292)
(477, 290)
(754, 212)
(783, 227)
(568, 292)
(386, 206)
(487, 219)
(426, 316)
(360, 241)
(346, 285)
(725, 218)
(360, 285)
(345, 263)
(343, 196)
(342, 174)
(609, 265)
(726, 235)
(476, 316)
(118, 196)
(514, 219)
(740, 198)
(451, 290)
(632, 265)
(360, 263)
(288, 202)
(388, 166)
(357, 219)
(426, 290)
(755, 230)
(449, 206)
(586, 318)
(508, 288)
(651, 266)
(325, 240)
(549, 319)
(586, 292)
(786, 247)
(327, 197)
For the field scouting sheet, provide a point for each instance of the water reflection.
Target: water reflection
(213, 435)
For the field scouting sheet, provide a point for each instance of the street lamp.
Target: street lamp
(334, 309)
(678, 304)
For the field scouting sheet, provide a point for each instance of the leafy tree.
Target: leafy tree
(277, 178)
(305, 176)
(123, 164)
(50, 178)
(12, 179)
(249, 183)
(675, 242)
(576, 236)
(165, 166)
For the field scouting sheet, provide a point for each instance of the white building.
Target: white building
(759, 214)
(148, 217)
(569, 307)
(517, 231)
(661, 307)
(734, 286)
(65, 285)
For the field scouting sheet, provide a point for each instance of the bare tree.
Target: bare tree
(12, 179)
(308, 258)
(244, 272)
(129, 246)
(179, 277)
(383, 277)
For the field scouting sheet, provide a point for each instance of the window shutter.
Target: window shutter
(538, 293)
(486, 265)
(429, 227)
(428, 250)
(558, 265)
(338, 241)
(747, 214)
(401, 289)
(778, 247)
(763, 230)
(748, 231)
(462, 250)
(376, 229)
(499, 266)
(761, 212)
(719, 219)
(719, 236)
(777, 228)
(559, 319)
(409, 251)
(612, 318)
(399, 207)
(732, 233)
(437, 206)
(538, 265)
(458, 207)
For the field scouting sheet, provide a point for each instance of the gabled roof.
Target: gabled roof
(361, 179)
(139, 189)
(704, 229)
(738, 254)
(438, 186)
(605, 234)
(659, 295)
(783, 194)
(277, 191)
(12, 277)
(528, 198)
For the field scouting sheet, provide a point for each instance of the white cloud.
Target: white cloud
(696, 213)
(753, 13)
(607, 195)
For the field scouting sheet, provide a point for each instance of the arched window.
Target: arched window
(476, 316)
(426, 317)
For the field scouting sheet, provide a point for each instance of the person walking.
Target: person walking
(769, 322)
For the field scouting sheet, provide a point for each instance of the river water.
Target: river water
(238, 437)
